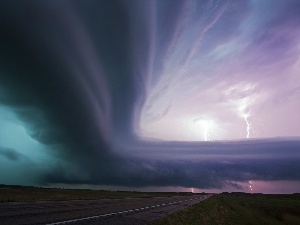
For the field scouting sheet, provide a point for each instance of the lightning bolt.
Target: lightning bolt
(243, 104)
(250, 186)
(248, 125)
(206, 128)
(206, 124)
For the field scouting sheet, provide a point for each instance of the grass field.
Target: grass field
(31, 194)
(242, 209)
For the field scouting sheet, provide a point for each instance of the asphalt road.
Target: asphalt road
(106, 211)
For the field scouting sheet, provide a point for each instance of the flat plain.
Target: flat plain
(219, 209)
(34, 194)
(239, 208)
(32, 206)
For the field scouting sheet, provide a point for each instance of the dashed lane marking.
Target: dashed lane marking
(122, 212)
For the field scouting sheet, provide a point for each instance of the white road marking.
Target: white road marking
(121, 212)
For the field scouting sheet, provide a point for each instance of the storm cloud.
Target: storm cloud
(126, 93)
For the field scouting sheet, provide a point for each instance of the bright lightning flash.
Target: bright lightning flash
(250, 186)
(206, 126)
(248, 125)
(242, 108)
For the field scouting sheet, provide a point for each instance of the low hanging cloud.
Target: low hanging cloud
(10, 154)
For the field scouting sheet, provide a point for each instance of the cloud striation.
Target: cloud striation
(127, 93)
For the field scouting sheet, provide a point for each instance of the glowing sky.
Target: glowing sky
(223, 62)
(186, 94)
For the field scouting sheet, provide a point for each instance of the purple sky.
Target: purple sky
(224, 63)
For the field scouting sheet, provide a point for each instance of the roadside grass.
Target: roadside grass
(245, 209)
(32, 194)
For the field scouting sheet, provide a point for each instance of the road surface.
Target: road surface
(105, 211)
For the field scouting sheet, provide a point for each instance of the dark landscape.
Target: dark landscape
(240, 208)
(35, 194)
(32, 205)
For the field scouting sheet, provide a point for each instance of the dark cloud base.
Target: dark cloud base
(199, 165)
